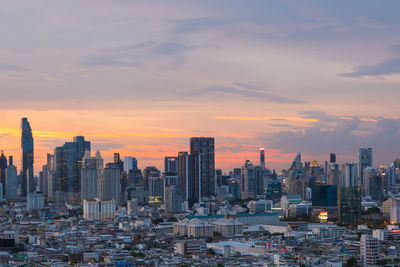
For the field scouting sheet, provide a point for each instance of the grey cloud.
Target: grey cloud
(394, 49)
(4, 67)
(388, 67)
(341, 138)
(106, 146)
(219, 89)
(139, 54)
(198, 24)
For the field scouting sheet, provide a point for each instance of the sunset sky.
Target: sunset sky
(142, 77)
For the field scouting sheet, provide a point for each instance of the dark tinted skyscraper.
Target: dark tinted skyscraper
(68, 163)
(332, 158)
(262, 158)
(203, 148)
(3, 167)
(28, 183)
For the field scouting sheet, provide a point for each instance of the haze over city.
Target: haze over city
(140, 78)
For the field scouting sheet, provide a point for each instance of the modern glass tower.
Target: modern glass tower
(203, 147)
(28, 182)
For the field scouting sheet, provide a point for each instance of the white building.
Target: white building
(194, 228)
(228, 227)
(369, 250)
(35, 201)
(98, 209)
(132, 207)
(91, 174)
(395, 211)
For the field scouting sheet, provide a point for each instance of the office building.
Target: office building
(188, 166)
(349, 206)
(156, 187)
(333, 174)
(252, 181)
(11, 181)
(372, 184)
(91, 176)
(203, 148)
(296, 182)
(364, 160)
(35, 201)
(349, 175)
(112, 183)
(332, 158)
(262, 158)
(324, 196)
(130, 163)
(369, 251)
(27, 179)
(3, 168)
(98, 209)
(68, 165)
(173, 199)
(171, 165)
(395, 211)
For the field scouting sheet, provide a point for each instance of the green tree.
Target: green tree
(352, 262)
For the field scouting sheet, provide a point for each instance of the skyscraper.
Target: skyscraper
(91, 175)
(186, 178)
(349, 206)
(3, 167)
(28, 182)
(350, 175)
(171, 164)
(112, 183)
(68, 163)
(332, 158)
(262, 158)
(252, 180)
(204, 149)
(364, 160)
(11, 181)
(130, 163)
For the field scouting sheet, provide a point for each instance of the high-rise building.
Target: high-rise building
(324, 196)
(112, 183)
(98, 209)
(395, 211)
(91, 176)
(333, 174)
(372, 184)
(3, 167)
(349, 175)
(364, 160)
(68, 165)
(27, 179)
(156, 187)
(130, 163)
(171, 164)
(262, 158)
(349, 206)
(173, 199)
(187, 184)
(47, 181)
(296, 181)
(332, 158)
(204, 149)
(252, 181)
(11, 181)
(369, 251)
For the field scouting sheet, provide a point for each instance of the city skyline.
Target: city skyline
(140, 78)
